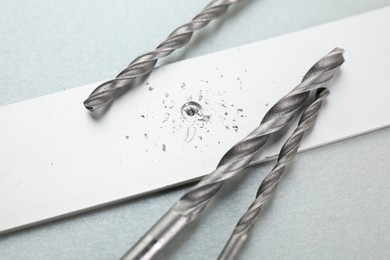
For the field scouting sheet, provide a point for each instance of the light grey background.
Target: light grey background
(333, 202)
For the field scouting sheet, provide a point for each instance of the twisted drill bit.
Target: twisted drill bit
(235, 160)
(144, 64)
(243, 228)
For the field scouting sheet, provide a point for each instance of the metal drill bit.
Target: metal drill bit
(243, 228)
(144, 64)
(235, 160)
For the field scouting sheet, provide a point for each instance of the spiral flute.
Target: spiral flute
(243, 228)
(235, 160)
(144, 64)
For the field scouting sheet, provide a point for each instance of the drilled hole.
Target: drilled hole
(192, 111)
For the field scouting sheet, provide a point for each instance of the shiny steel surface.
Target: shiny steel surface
(243, 228)
(236, 159)
(144, 64)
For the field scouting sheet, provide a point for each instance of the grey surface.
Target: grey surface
(333, 202)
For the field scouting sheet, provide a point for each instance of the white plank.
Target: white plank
(56, 159)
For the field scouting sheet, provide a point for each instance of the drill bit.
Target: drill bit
(144, 64)
(269, 184)
(188, 207)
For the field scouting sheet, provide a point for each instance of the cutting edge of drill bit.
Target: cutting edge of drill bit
(143, 65)
(191, 204)
(268, 186)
